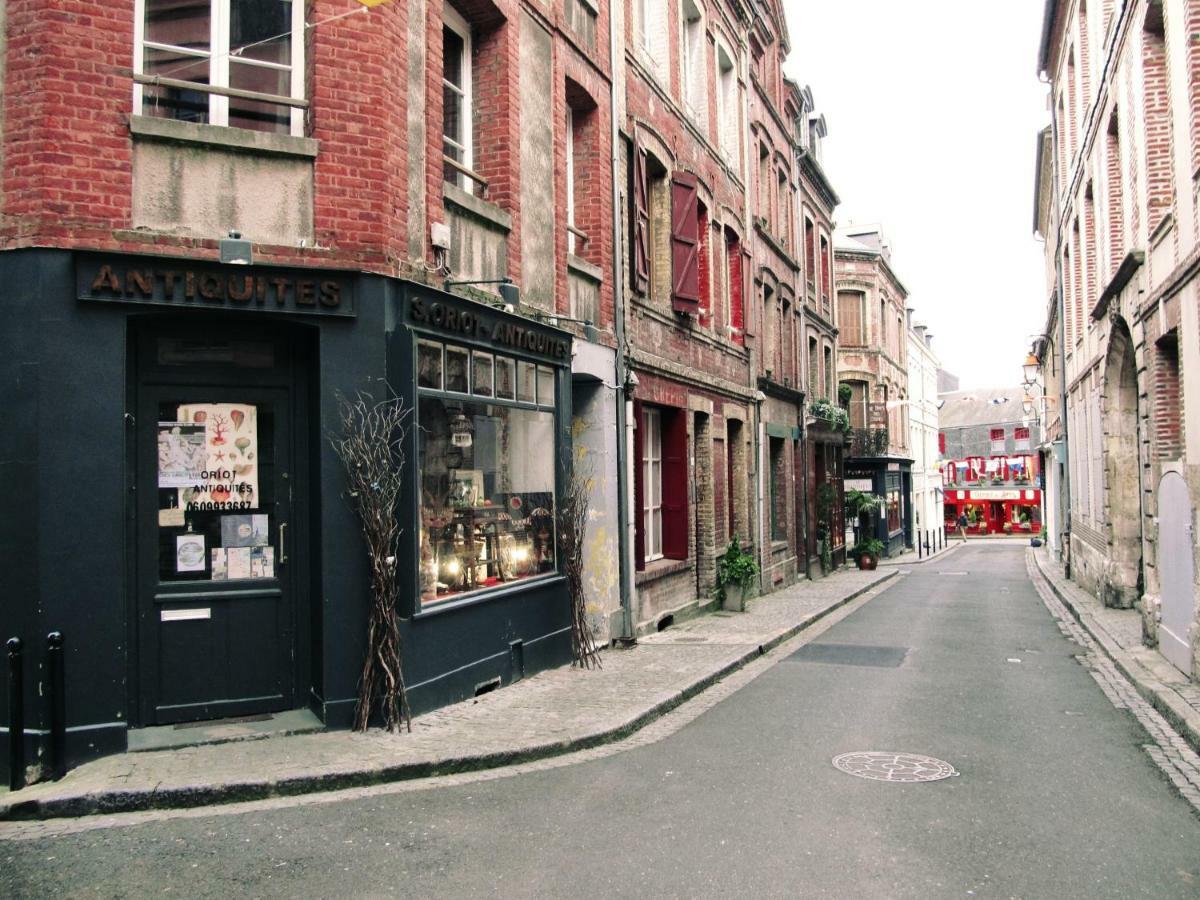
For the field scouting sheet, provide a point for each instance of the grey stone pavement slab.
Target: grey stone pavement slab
(1118, 632)
(551, 713)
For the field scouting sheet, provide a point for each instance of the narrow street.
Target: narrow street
(960, 660)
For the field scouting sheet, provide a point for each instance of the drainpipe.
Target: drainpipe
(623, 393)
(763, 550)
(805, 524)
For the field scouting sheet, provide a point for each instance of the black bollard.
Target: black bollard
(16, 717)
(58, 703)
(918, 545)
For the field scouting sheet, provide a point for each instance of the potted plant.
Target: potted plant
(738, 570)
(867, 552)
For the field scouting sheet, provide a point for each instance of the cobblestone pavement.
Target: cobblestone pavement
(1170, 752)
(549, 714)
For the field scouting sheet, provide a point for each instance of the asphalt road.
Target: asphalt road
(958, 660)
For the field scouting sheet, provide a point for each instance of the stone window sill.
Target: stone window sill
(222, 137)
(489, 213)
(585, 269)
(660, 568)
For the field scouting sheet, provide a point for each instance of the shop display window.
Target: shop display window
(487, 473)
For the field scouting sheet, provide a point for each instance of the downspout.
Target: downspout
(624, 545)
(764, 555)
(804, 523)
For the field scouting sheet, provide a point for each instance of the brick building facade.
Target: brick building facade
(872, 361)
(1117, 208)
(360, 167)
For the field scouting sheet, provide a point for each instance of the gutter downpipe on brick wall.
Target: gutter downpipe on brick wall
(624, 568)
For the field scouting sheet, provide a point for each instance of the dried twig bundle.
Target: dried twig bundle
(572, 525)
(371, 447)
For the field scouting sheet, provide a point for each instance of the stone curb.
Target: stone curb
(1179, 715)
(185, 797)
(904, 563)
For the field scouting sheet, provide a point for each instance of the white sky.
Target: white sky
(933, 110)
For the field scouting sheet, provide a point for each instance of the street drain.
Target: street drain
(882, 765)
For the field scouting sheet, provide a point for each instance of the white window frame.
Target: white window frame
(218, 57)
(456, 23)
(651, 479)
(570, 179)
(692, 46)
(653, 36)
(727, 105)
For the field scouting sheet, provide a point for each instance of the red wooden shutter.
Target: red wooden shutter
(640, 260)
(675, 484)
(737, 317)
(685, 244)
(639, 491)
(942, 443)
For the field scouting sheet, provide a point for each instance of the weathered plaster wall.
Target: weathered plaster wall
(206, 191)
(537, 165)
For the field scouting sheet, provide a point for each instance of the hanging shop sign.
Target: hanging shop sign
(447, 316)
(161, 281)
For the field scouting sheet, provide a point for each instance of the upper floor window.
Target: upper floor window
(652, 35)
(456, 98)
(691, 61)
(850, 319)
(727, 97)
(221, 62)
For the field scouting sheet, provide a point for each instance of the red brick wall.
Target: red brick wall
(1156, 99)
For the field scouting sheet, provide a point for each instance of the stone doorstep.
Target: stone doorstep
(1145, 668)
(111, 791)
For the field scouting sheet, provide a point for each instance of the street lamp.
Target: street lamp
(1030, 368)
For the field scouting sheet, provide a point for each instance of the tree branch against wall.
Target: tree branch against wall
(371, 447)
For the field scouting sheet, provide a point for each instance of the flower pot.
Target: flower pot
(867, 561)
(736, 596)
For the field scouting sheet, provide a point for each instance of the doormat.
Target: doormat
(236, 720)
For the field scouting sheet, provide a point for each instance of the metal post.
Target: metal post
(58, 703)
(16, 717)
(918, 545)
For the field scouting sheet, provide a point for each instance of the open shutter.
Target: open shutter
(639, 490)
(675, 485)
(640, 258)
(685, 244)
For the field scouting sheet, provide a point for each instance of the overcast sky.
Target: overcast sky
(933, 110)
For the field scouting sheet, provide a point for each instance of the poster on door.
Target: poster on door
(229, 476)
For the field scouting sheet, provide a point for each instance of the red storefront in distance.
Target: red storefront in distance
(998, 494)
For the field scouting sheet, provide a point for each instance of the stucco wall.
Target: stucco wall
(537, 165)
(196, 188)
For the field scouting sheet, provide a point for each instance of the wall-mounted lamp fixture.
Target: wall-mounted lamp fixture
(236, 251)
(509, 292)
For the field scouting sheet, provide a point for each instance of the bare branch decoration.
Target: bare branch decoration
(371, 447)
(572, 530)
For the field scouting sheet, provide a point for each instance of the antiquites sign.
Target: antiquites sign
(477, 322)
(161, 281)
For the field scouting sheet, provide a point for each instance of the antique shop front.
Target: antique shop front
(186, 526)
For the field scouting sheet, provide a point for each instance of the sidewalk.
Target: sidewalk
(1119, 634)
(554, 712)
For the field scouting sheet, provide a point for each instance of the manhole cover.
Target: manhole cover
(882, 765)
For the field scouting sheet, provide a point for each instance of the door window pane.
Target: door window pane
(215, 487)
